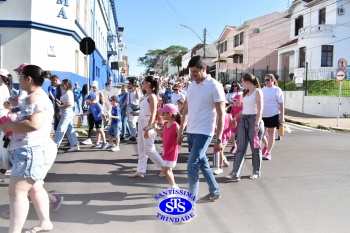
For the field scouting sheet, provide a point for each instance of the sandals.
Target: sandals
(32, 230)
(161, 174)
(136, 175)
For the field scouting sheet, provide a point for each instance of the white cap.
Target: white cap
(94, 83)
(4, 72)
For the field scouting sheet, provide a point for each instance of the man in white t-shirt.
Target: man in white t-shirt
(176, 95)
(205, 102)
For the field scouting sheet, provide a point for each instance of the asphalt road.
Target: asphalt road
(304, 188)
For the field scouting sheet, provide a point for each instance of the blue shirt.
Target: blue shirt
(115, 111)
(122, 98)
(96, 110)
(168, 96)
(51, 89)
(77, 93)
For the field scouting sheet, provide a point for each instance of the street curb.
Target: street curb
(340, 130)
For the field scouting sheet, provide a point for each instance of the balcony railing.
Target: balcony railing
(322, 30)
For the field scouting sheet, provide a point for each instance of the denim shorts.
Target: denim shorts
(34, 162)
(114, 130)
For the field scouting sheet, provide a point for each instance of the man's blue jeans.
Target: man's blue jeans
(77, 106)
(125, 125)
(198, 143)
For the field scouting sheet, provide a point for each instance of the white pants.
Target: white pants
(146, 147)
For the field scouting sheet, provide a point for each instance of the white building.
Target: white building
(319, 37)
(47, 33)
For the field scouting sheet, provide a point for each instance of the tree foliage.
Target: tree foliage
(150, 59)
(176, 61)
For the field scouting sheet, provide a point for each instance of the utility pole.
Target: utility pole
(205, 40)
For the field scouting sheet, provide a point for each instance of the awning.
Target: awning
(222, 58)
(233, 53)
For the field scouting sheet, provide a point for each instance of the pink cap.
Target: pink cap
(170, 108)
(20, 67)
(238, 97)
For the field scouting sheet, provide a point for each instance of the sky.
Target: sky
(155, 24)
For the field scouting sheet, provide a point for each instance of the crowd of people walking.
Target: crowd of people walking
(171, 108)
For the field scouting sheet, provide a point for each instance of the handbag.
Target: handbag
(4, 156)
(135, 107)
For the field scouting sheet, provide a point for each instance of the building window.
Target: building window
(302, 55)
(327, 56)
(235, 59)
(299, 23)
(236, 40)
(223, 47)
(322, 16)
(238, 59)
(241, 38)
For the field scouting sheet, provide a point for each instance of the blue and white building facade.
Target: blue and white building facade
(319, 37)
(47, 33)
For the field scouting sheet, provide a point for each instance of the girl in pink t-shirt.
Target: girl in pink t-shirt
(226, 134)
(172, 121)
(237, 108)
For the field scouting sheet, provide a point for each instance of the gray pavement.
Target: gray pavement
(304, 188)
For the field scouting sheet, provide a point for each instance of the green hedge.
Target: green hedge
(319, 87)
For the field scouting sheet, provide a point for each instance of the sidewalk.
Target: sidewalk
(316, 121)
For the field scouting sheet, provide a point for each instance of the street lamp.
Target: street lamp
(204, 35)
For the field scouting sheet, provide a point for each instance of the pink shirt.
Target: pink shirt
(170, 146)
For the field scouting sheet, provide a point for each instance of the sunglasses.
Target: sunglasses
(267, 80)
(234, 85)
(175, 89)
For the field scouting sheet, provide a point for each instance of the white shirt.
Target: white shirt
(249, 103)
(68, 97)
(41, 136)
(201, 105)
(175, 97)
(229, 97)
(132, 96)
(4, 93)
(273, 96)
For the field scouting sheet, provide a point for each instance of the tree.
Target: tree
(150, 59)
(176, 61)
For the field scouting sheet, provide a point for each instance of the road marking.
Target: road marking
(304, 128)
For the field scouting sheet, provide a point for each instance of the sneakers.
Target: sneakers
(74, 148)
(254, 176)
(110, 146)
(104, 145)
(132, 140)
(209, 198)
(96, 146)
(226, 163)
(233, 178)
(218, 171)
(175, 186)
(56, 205)
(263, 152)
(87, 141)
(136, 175)
(114, 148)
(268, 156)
